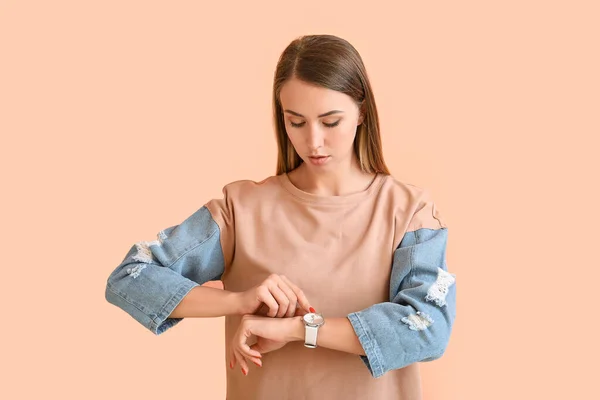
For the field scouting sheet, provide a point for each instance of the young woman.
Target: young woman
(334, 274)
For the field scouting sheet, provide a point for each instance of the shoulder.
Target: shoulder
(401, 191)
(412, 203)
(249, 186)
(239, 196)
(248, 192)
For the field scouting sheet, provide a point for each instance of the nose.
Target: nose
(315, 138)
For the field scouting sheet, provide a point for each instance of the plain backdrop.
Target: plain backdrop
(120, 118)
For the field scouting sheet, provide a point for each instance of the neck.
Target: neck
(346, 179)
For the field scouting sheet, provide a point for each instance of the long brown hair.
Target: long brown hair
(333, 63)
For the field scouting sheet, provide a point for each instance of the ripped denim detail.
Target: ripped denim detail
(418, 322)
(439, 289)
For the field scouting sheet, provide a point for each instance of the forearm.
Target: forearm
(336, 334)
(207, 302)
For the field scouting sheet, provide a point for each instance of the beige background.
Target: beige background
(120, 118)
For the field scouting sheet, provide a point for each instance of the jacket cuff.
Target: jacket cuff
(373, 358)
(156, 323)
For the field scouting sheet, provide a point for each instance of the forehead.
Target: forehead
(311, 100)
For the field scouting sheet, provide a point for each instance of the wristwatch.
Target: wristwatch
(312, 323)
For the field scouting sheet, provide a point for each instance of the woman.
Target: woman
(332, 231)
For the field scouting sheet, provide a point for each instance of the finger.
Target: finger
(245, 359)
(249, 352)
(281, 298)
(260, 349)
(257, 361)
(232, 359)
(242, 360)
(264, 295)
(256, 347)
(300, 312)
(242, 344)
(299, 294)
(289, 293)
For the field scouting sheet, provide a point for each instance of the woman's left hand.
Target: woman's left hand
(271, 334)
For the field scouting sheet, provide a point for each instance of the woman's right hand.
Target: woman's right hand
(277, 295)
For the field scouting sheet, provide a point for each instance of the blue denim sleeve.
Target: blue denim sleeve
(155, 276)
(416, 323)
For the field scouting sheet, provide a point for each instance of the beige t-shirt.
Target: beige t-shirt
(338, 250)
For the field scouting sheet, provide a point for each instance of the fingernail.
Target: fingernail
(244, 371)
(257, 363)
(312, 310)
(231, 364)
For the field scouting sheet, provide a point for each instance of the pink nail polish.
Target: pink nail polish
(244, 371)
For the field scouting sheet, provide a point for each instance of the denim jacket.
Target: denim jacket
(414, 325)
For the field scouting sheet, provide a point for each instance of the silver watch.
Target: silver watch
(312, 323)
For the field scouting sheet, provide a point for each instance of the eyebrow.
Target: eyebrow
(322, 115)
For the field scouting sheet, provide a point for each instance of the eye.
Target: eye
(300, 124)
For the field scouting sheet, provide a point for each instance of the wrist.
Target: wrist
(296, 329)
(236, 303)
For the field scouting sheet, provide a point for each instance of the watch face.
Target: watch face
(313, 319)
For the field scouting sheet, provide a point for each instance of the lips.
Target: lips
(319, 160)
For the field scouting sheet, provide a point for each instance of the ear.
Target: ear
(361, 116)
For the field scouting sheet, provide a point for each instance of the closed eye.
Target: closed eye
(336, 123)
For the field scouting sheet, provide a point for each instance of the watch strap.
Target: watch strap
(310, 336)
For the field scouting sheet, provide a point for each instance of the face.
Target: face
(321, 123)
